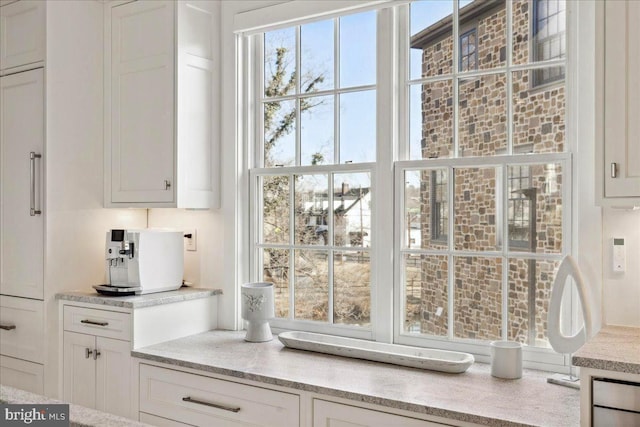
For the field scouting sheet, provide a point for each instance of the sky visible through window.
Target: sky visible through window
(357, 127)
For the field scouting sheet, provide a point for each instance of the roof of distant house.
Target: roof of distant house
(443, 26)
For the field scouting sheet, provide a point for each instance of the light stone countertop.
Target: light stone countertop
(613, 348)
(139, 301)
(474, 396)
(79, 415)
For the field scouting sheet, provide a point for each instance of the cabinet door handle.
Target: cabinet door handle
(167, 184)
(7, 326)
(213, 405)
(96, 354)
(93, 322)
(614, 170)
(32, 173)
(87, 353)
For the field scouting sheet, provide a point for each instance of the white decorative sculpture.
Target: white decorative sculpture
(560, 342)
(257, 309)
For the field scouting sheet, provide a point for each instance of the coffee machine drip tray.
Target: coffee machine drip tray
(116, 291)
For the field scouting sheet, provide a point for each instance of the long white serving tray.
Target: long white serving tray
(422, 358)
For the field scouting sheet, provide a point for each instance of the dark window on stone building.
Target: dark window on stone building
(548, 41)
(439, 210)
(469, 51)
(521, 201)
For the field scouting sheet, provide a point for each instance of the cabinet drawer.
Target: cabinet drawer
(22, 374)
(617, 395)
(22, 328)
(102, 323)
(203, 401)
(604, 417)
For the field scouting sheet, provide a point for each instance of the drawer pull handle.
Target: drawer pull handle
(213, 405)
(7, 326)
(92, 322)
(96, 354)
(87, 352)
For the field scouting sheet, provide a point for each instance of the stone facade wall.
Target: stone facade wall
(538, 126)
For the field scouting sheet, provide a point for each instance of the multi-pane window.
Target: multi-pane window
(522, 197)
(492, 217)
(468, 51)
(312, 182)
(480, 174)
(439, 211)
(549, 28)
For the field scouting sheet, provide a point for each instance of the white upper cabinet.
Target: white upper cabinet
(22, 34)
(160, 147)
(619, 155)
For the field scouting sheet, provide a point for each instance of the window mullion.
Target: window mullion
(509, 88)
(330, 250)
(336, 96)
(298, 103)
(451, 247)
(292, 252)
(455, 65)
(503, 224)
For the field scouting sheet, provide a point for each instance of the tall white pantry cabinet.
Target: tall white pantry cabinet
(52, 222)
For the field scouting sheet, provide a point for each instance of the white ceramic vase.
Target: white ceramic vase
(257, 310)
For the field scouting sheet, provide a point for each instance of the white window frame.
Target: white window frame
(533, 356)
(380, 263)
(392, 152)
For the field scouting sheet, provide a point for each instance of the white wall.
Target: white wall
(621, 291)
(75, 219)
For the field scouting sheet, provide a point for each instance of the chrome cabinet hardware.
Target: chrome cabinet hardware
(96, 354)
(7, 326)
(87, 353)
(92, 322)
(213, 405)
(614, 170)
(167, 184)
(32, 170)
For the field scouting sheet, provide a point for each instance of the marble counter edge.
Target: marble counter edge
(138, 301)
(358, 397)
(606, 365)
(612, 348)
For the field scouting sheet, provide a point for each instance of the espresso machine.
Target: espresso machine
(142, 261)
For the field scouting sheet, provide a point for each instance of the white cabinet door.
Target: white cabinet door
(21, 233)
(330, 414)
(622, 99)
(22, 33)
(113, 376)
(142, 129)
(79, 369)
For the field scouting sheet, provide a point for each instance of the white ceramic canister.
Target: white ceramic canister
(506, 359)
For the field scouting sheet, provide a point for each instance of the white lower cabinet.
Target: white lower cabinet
(331, 414)
(21, 374)
(204, 401)
(97, 373)
(97, 359)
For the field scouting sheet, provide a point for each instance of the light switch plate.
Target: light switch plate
(619, 255)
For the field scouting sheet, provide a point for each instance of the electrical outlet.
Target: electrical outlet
(190, 242)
